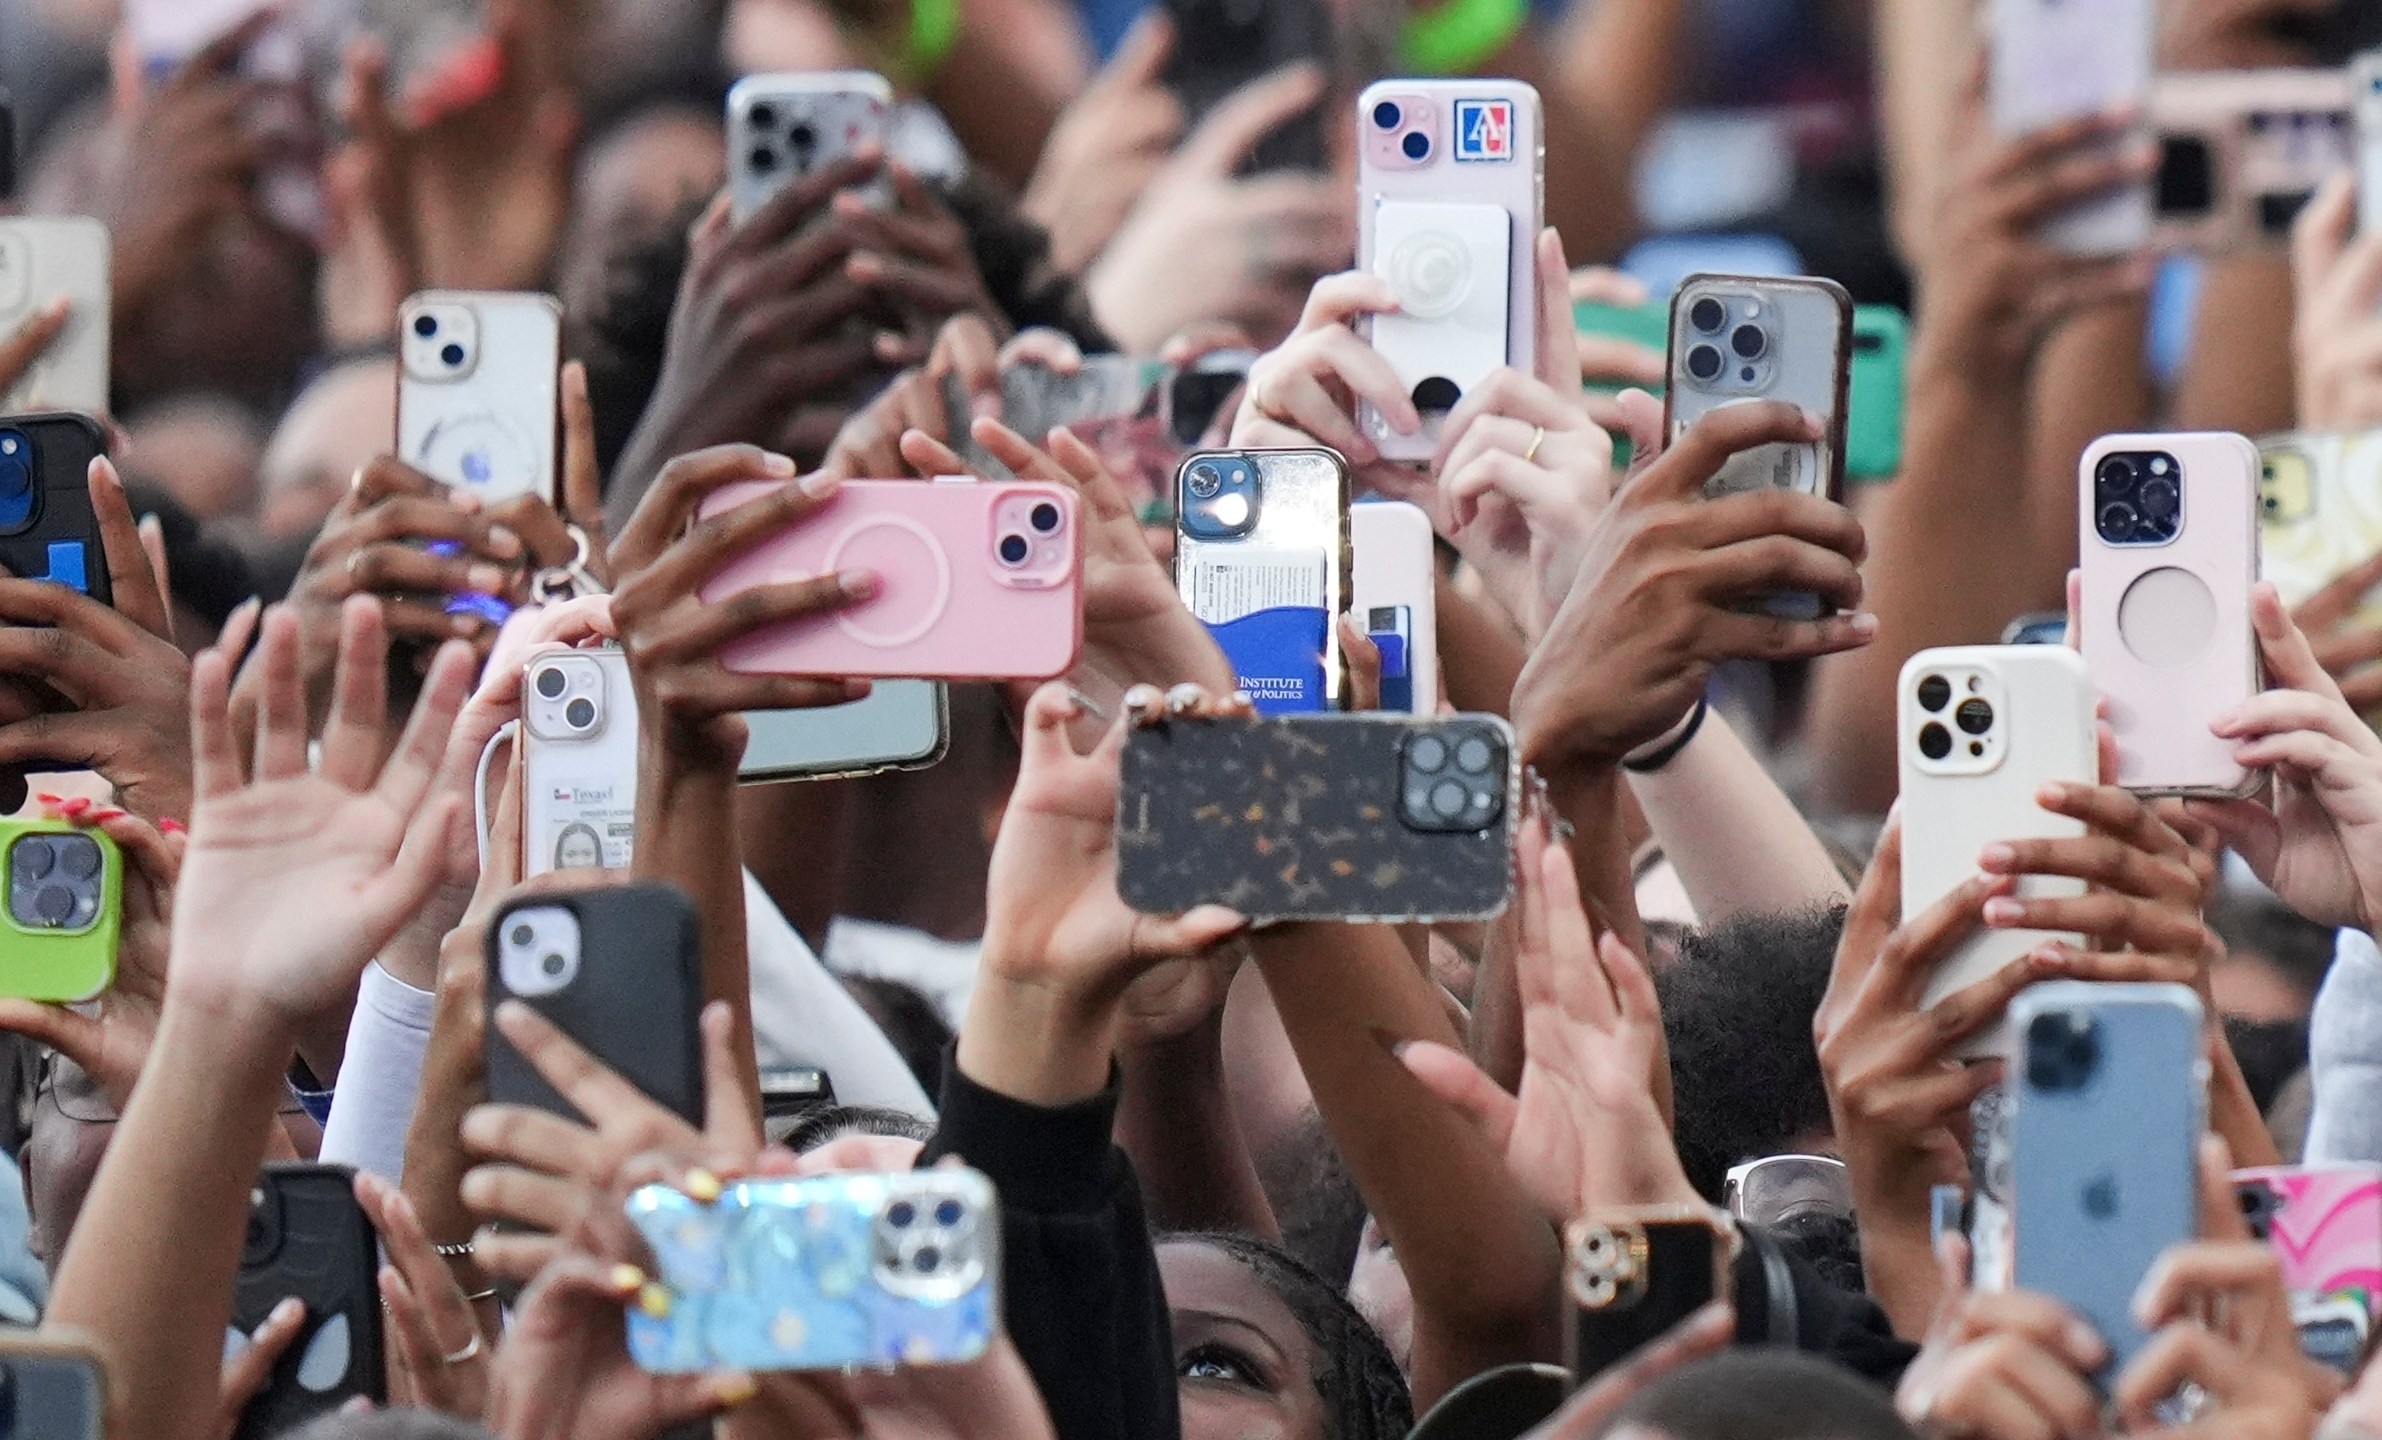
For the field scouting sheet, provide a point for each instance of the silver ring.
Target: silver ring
(468, 1352)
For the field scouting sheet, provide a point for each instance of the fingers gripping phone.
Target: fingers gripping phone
(51, 1389)
(2324, 1223)
(1631, 1276)
(1261, 556)
(1450, 200)
(1395, 600)
(45, 259)
(784, 127)
(2055, 60)
(63, 888)
(477, 390)
(308, 1238)
(48, 530)
(2169, 550)
(578, 762)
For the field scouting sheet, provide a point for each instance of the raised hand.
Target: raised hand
(1108, 147)
(1304, 391)
(2346, 643)
(2337, 335)
(442, 1358)
(2002, 1364)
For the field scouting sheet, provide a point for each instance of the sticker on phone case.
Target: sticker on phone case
(1277, 657)
(1484, 130)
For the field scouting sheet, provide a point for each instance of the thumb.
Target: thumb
(1248, 115)
(1455, 1079)
(1192, 932)
(1140, 59)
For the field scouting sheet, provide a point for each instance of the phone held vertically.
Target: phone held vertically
(2365, 114)
(51, 1388)
(1875, 393)
(1450, 200)
(872, 1270)
(477, 389)
(618, 968)
(578, 762)
(308, 1238)
(63, 889)
(1395, 600)
(1630, 1276)
(2106, 1101)
(2055, 60)
(1320, 817)
(45, 259)
(48, 530)
(1982, 729)
(975, 580)
(1222, 46)
(898, 725)
(2324, 1223)
(2319, 512)
(2169, 547)
(783, 127)
(1261, 557)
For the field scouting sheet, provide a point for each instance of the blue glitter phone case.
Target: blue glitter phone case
(820, 1274)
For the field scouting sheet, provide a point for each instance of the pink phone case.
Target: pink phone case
(2325, 1227)
(976, 580)
(2166, 614)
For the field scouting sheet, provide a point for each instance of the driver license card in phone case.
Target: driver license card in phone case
(578, 762)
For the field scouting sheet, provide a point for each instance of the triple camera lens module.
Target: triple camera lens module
(1733, 337)
(928, 1243)
(2063, 1049)
(1973, 716)
(55, 881)
(1453, 777)
(2138, 498)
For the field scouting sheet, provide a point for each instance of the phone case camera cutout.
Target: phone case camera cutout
(63, 890)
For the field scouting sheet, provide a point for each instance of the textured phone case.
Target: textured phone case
(898, 725)
(55, 1390)
(633, 1005)
(1628, 1283)
(309, 1238)
(2325, 1225)
(1805, 358)
(2053, 60)
(1874, 397)
(785, 126)
(1395, 601)
(579, 784)
(477, 393)
(52, 257)
(1306, 817)
(2102, 1170)
(61, 899)
(1952, 808)
(1487, 147)
(867, 1270)
(1271, 596)
(49, 531)
(950, 603)
(2166, 627)
(2319, 512)
(2242, 152)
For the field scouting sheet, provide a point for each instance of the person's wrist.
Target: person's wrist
(1035, 1035)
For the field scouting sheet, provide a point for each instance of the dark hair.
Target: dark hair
(916, 1030)
(391, 1425)
(1768, 1393)
(1364, 1393)
(207, 574)
(623, 340)
(2261, 928)
(1737, 1007)
(829, 1123)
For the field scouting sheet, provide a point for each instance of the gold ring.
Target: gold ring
(1538, 437)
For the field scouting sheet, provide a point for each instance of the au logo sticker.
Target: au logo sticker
(1484, 130)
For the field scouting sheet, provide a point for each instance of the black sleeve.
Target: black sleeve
(1079, 1275)
(1829, 1321)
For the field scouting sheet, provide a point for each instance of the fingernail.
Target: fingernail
(464, 626)
(2001, 912)
(503, 541)
(1864, 625)
(859, 584)
(1996, 856)
(106, 813)
(76, 808)
(170, 826)
(626, 1278)
(736, 1389)
(701, 1185)
(50, 800)
(1084, 702)
(889, 345)
(286, 1311)
(985, 407)
(486, 579)
(654, 1299)
(2085, 1343)
(819, 484)
(781, 466)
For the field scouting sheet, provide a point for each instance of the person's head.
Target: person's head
(332, 430)
(2275, 958)
(1762, 1394)
(1737, 1007)
(205, 450)
(72, 1124)
(1265, 1349)
(636, 175)
(208, 577)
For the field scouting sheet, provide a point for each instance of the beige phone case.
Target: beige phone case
(477, 390)
(2242, 152)
(578, 766)
(51, 257)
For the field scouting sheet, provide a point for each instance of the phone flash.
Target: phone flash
(1230, 511)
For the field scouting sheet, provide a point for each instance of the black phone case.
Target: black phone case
(309, 1238)
(1302, 817)
(1222, 45)
(49, 1393)
(635, 1003)
(1682, 1273)
(62, 532)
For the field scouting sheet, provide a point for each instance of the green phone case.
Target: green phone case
(59, 912)
(1873, 431)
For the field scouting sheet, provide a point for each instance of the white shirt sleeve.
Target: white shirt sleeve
(803, 1016)
(2345, 1056)
(381, 1076)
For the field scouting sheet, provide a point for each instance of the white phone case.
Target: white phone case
(1391, 595)
(2365, 109)
(578, 762)
(2053, 60)
(45, 258)
(1434, 157)
(477, 390)
(2029, 722)
(782, 127)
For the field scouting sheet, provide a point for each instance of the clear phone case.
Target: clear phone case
(1262, 558)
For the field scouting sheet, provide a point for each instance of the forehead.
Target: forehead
(1199, 1277)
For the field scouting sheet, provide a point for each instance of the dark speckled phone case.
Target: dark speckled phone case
(1310, 817)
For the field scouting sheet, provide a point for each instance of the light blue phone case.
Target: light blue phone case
(820, 1274)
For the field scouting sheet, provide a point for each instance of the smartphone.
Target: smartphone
(2242, 152)
(286, 101)
(1744, 337)
(975, 581)
(788, 1094)
(782, 127)
(2334, 34)
(45, 258)
(1223, 46)
(307, 1237)
(9, 155)
(1982, 729)
(2054, 60)
(1262, 557)
(898, 725)
(1394, 596)
(618, 968)
(65, 889)
(1451, 196)
(2106, 1100)
(2043, 627)
(2365, 110)
(1632, 1276)
(1197, 393)
(2169, 546)
(1875, 393)
(431, 45)
(2324, 1223)
(48, 530)
(2319, 512)
(1320, 817)
(51, 1388)
(873, 1271)
(477, 390)
(578, 762)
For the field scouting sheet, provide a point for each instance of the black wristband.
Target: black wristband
(1670, 752)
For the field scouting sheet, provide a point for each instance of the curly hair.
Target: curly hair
(1364, 1393)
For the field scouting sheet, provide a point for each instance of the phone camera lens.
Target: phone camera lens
(949, 1213)
(1703, 362)
(1935, 742)
(1707, 315)
(803, 139)
(1473, 755)
(1417, 146)
(452, 355)
(579, 714)
(927, 1259)
(1935, 692)
(1205, 481)
(2118, 521)
(551, 683)
(900, 1213)
(763, 116)
(78, 856)
(1974, 716)
(425, 325)
(33, 858)
(16, 468)
(523, 937)
(1014, 549)
(1447, 799)
(1045, 518)
(1386, 115)
(553, 965)
(762, 160)
(2158, 499)
(1749, 342)
(1427, 753)
(2114, 475)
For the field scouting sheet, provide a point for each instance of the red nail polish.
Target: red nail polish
(108, 813)
(170, 826)
(74, 809)
(50, 800)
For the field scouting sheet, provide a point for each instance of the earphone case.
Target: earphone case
(68, 962)
(1952, 810)
(2324, 1224)
(491, 429)
(1489, 149)
(634, 1004)
(2191, 612)
(814, 1274)
(767, 115)
(2054, 60)
(1296, 558)
(1301, 817)
(1807, 363)
(947, 607)
(1396, 601)
(307, 1237)
(45, 258)
(58, 538)
(580, 790)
